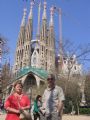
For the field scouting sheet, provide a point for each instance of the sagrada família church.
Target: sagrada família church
(35, 58)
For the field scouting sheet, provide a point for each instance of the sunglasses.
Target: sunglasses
(50, 79)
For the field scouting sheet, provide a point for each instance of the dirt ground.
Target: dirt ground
(65, 117)
(75, 117)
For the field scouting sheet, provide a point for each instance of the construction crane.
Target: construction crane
(60, 54)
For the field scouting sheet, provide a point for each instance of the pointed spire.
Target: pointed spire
(31, 7)
(51, 23)
(24, 18)
(44, 12)
(38, 27)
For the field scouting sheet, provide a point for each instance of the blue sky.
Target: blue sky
(75, 21)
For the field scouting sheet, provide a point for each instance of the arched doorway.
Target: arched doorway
(29, 84)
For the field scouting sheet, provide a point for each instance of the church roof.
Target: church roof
(37, 71)
(43, 74)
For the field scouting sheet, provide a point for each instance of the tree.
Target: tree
(6, 75)
(87, 90)
(72, 94)
(3, 52)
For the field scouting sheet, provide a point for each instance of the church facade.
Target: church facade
(40, 51)
(43, 53)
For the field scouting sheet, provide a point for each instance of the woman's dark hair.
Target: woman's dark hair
(38, 96)
(18, 82)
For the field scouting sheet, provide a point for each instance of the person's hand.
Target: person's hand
(58, 113)
(18, 111)
(42, 110)
(21, 110)
(24, 108)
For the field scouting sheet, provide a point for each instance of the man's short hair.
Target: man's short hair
(51, 76)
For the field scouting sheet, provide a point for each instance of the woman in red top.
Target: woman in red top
(16, 102)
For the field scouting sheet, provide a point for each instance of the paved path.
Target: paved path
(65, 117)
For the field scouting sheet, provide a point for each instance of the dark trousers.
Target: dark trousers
(36, 115)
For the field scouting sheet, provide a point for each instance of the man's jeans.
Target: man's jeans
(52, 116)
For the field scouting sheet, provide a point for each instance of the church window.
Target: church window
(71, 58)
(34, 60)
(46, 51)
(42, 48)
(21, 65)
(65, 62)
(35, 53)
(75, 67)
(16, 67)
(64, 58)
(19, 42)
(46, 64)
(28, 47)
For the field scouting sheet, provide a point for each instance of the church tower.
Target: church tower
(50, 51)
(23, 48)
(20, 45)
(35, 58)
(43, 38)
(28, 37)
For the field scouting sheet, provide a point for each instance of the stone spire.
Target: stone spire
(20, 45)
(35, 58)
(44, 12)
(28, 37)
(43, 39)
(31, 9)
(24, 18)
(29, 26)
(51, 44)
(38, 27)
(51, 23)
(43, 33)
(51, 29)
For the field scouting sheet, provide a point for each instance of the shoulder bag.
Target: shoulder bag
(24, 114)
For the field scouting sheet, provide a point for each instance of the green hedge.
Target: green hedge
(84, 110)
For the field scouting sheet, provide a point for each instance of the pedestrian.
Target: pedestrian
(1, 106)
(53, 99)
(37, 106)
(16, 102)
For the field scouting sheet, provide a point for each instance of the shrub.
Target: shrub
(84, 110)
